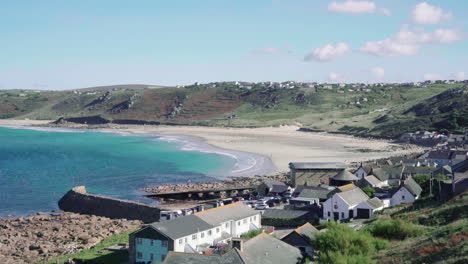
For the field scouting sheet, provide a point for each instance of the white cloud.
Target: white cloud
(328, 52)
(431, 77)
(378, 73)
(333, 76)
(408, 42)
(426, 14)
(460, 76)
(356, 7)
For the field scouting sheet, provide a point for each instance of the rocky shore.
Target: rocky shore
(44, 236)
(232, 182)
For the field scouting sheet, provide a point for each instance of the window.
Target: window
(209, 232)
(139, 241)
(238, 223)
(151, 242)
(328, 213)
(164, 243)
(402, 197)
(245, 221)
(227, 225)
(186, 240)
(342, 215)
(217, 230)
(255, 218)
(202, 234)
(180, 241)
(194, 237)
(151, 256)
(139, 255)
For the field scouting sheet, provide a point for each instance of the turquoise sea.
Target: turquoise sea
(37, 167)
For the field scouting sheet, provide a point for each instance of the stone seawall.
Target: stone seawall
(78, 200)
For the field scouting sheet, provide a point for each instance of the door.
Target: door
(336, 216)
(363, 213)
(351, 213)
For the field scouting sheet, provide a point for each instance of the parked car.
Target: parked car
(287, 195)
(271, 203)
(261, 206)
(237, 199)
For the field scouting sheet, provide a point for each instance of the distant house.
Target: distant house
(363, 171)
(371, 181)
(366, 209)
(344, 205)
(320, 194)
(444, 157)
(302, 238)
(192, 233)
(313, 173)
(460, 170)
(408, 192)
(272, 188)
(389, 175)
(343, 177)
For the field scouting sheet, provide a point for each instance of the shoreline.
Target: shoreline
(280, 144)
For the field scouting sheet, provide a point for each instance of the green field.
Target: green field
(382, 111)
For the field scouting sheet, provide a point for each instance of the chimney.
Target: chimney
(237, 243)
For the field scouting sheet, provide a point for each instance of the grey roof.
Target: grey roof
(307, 231)
(372, 180)
(232, 256)
(413, 186)
(287, 214)
(460, 167)
(234, 211)
(277, 187)
(375, 203)
(181, 226)
(345, 175)
(353, 196)
(386, 173)
(445, 154)
(317, 165)
(315, 192)
(265, 249)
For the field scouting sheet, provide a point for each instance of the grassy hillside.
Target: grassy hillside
(386, 111)
(443, 238)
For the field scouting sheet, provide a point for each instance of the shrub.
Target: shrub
(252, 234)
(341, 244)
(394, 229)
(369, 191)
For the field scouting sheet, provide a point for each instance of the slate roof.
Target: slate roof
(276, 187)
(375, 203)
(307, 231)
(345, 175)
(286, 214)
(413, 186)
(460, 167)
(354, 196)
(372, 180)
(317, 165)
(265, 249)
(218, 215)
(315, 192)
(366, 168)
(231, 256)
(387, 173)
(445, 154)
(182, 226)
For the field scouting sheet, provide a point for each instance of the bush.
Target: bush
(341, 244)
(369, 191)
(394, 229)
(252, 234)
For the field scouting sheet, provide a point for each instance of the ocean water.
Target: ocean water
(37, 167)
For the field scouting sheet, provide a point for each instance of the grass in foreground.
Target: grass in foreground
(97, 254)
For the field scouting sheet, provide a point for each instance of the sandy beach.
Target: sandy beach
(281, 144)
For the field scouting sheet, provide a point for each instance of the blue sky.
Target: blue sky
(81, 43)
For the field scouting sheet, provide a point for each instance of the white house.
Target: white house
(362, 172)
(341, 205)
(408, 192)
(192, 233)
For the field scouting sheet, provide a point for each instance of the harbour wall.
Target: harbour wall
(78, 200)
